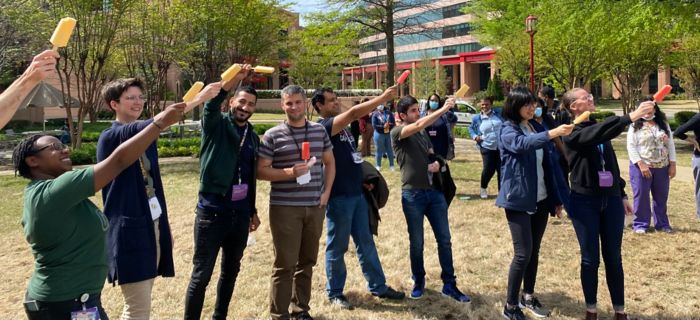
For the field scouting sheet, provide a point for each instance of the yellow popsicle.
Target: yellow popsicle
(462, 91)
(63, 31)
(582, 117)
(263, 69)
(194, 90)
(231, 72)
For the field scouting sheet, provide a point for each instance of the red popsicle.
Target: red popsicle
(661, 94)
(305, 151)
(403, 76)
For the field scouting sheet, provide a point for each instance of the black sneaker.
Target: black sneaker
(302, 316)
(513, 314)
(391, 294)
(341, 301)
(534, 306)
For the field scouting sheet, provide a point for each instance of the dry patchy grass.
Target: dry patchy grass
(661, 269)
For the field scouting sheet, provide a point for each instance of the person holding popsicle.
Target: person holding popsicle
(299, 192)
(140, 246)
(598, 201)
(225, 210)
(652, 156)
(419, 197)
(693, 124)
(65, 230)
(382, 122)
(347, 210)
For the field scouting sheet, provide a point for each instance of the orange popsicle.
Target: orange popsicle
(582, 117)
(231, 72)
(263, 69)
(403, 76)
(62, 34)
(305, 150)
(194, 90)
(462, 91)
(661, 94)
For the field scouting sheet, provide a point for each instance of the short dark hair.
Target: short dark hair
(23, 150)
(112, 91)
(489, 98)
(517, 98)
(547, 91)
(319, 98)
(405, 103)
(246, 89)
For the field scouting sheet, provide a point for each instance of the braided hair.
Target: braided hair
(23, 150)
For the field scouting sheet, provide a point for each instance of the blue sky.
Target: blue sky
(306, 6)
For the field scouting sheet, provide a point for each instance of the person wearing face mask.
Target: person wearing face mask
(382, 122)
(652, 156)
(440, 131)
(485, 129)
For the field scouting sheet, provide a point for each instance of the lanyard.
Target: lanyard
(306, 133)
(345, 134)
(240, 147)
(601, 151)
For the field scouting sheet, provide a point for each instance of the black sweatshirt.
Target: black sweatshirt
(692, 124)
(584, 156)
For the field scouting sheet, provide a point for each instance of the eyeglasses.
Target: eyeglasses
(56, 146)
(588, 97)
(134, 98)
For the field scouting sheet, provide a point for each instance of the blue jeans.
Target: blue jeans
(598, 222)
(430, 204)
(346, 216)
(383, 143)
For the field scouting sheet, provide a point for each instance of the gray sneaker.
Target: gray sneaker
(342, 302)
(534, 306)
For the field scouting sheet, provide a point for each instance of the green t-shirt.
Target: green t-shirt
(66, 233)
(412, 156)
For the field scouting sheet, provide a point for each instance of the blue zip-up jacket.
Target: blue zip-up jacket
(378, 121)
(474, 128)
(519, 168)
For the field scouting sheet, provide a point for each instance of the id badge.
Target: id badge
(357, 157)
(432, 133)
(240, 191)
(87, 314)
(154, 205)
(605, 178)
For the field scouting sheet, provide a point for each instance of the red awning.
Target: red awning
(450, 61)
(477, 56)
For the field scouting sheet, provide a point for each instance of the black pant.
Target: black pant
(228, 231)
(38, 310)
(527, 231)
(492, 164)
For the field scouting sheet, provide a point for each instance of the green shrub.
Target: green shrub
(18, 125)
(682, 117)
(601, 115)
(87, 154)
(262, 127)
(90, 136)
(461, 132)
(276, 94)
(673, 124)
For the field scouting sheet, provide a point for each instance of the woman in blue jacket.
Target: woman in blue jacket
(382, 122)
(528, 194)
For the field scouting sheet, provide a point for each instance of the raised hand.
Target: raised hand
(43, 65)
(171, 115)
(391, 93)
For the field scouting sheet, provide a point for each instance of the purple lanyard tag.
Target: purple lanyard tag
(240, 192)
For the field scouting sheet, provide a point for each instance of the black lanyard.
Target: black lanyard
(240, 148)
(601, 150)
(306, 135)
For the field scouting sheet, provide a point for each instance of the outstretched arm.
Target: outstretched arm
(422, 123)
(344, 119)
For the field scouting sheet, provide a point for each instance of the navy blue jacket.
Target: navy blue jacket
(131, 240)
(378, 123)
(519, 168)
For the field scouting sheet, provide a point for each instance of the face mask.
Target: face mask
(538, 112)
(649, 118)
(433, 105)
(380, 107)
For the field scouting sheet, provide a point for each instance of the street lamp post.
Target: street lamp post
(531, 29)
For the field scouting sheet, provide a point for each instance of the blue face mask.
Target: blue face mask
(433, 105)
(380, 107)
(538, 112)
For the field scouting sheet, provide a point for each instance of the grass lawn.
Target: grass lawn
(660, 268)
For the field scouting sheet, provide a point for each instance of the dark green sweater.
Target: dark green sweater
(219, 149)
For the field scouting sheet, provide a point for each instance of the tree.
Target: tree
(377, 16)
(687, 60)
(320, 50)
(20, 37)
(426, 81)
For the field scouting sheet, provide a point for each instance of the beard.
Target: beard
(241, 115)
(301, 116)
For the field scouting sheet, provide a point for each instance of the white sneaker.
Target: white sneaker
(378, 168)
(391, 168)
(484, 194)
(640, 231)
